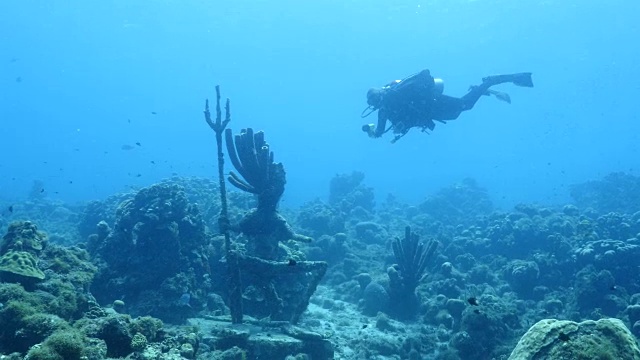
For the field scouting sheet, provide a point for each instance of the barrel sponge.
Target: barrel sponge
(552, 339)
(21, 263)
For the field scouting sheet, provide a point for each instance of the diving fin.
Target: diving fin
(519, 79)
(502, 96)
(523, 79)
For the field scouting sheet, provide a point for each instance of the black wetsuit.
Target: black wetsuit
(407, 103)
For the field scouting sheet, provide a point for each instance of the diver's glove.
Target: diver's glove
(370, 129)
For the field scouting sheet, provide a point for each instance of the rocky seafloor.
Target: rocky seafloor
(142, 275)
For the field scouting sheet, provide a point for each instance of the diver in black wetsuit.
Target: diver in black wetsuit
(418, 100)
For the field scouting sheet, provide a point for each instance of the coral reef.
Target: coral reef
(23, 236)
(257, 340)
(100, 210)
(58, 219)
(346, 193)
(33, 312)
(19, 251)
(320, 219)
(616, 192)
(155, 251)
(458, 204)
(560, 339)
(19, 265)
(155, 254)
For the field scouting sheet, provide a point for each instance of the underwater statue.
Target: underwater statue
(266, 276)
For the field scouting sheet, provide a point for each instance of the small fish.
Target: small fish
(138, 143)
(153, 162)
(19, 79)
(292, 262)
(10, 208)
(42, 190)
(129, 121)
(364, 326)
(70, 181)
(127, 147)
(154, 113)
(473, 301)
(138, 175)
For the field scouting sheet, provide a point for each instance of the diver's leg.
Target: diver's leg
(475, 92)
(447, 108)
(519, 79)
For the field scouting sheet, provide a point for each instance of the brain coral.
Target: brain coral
(22, 264)
(552, 339)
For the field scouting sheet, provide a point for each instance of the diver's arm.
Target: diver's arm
(382, 123)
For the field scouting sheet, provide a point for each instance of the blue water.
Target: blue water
(80, 79)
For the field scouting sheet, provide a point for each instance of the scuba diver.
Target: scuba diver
(418, 101)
